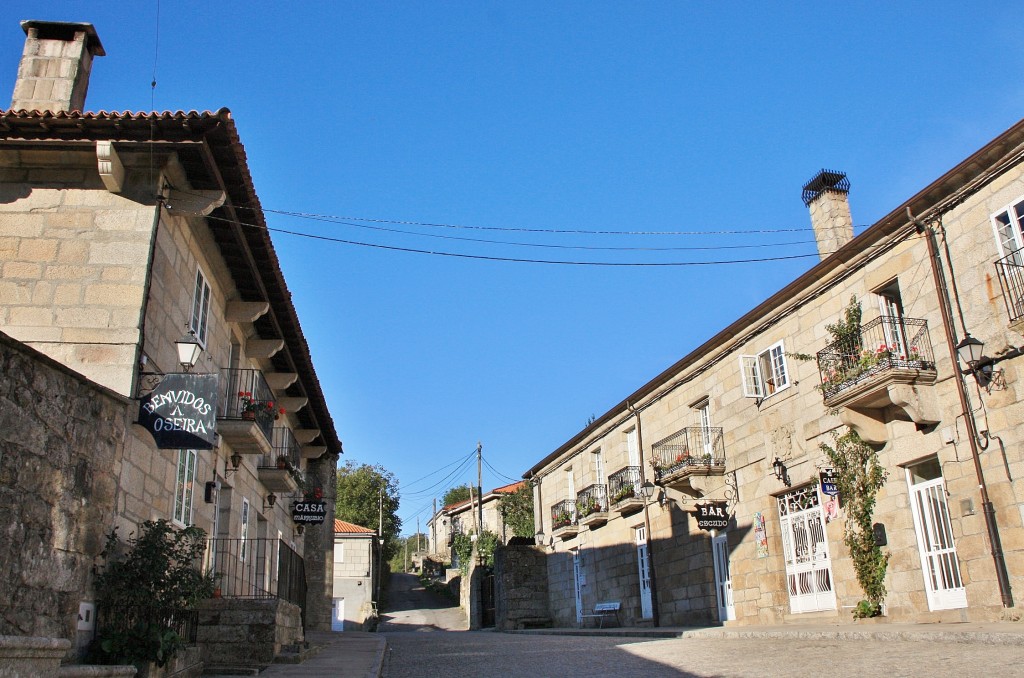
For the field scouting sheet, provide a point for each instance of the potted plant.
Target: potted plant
(249, 405)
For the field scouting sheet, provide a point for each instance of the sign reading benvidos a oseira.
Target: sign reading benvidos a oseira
(309, 511)
(712, 516)
(181, 412)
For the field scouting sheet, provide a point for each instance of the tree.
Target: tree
(407, 546)
(517, 511)
(455, 495)
(359, 490)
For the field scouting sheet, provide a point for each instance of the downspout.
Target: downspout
(972, 428)
(146, 290)
(655, 616)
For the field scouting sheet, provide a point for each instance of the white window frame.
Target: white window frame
(632, 449)
(244, 538)
(1013, 225)
(753, 369)
(184, 488)
(339, 552)
(199, 322)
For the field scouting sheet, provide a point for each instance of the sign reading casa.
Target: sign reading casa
(312, 512)
(181, 412)
(829, 482)
(712, 516)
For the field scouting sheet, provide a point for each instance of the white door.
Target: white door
(805, 546)
(941, 568)
(644, 565)
(723, 580)
(338, 618)
(704, 423)
(632, 448)
(579, 582)
(891, 307)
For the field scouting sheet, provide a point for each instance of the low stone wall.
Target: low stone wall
(244, 632)
(61, 446)
(520, 588)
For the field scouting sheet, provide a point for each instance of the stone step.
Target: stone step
(215, 670)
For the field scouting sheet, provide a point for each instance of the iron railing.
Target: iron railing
(247, 395)
(563, 514)
(882, 345)
(142, 620)
(692, 447)
(283, 444)
(255, 568)
(592, 499)
(623, 485)
(1011, 280)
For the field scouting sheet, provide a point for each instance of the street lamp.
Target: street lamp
(781, 472)
(188, 350)
(971, 352)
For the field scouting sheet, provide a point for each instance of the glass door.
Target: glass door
(723, 580)
(644, 565)
(808, 564)
(943, 583)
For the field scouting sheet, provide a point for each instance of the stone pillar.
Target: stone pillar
(318, 543)
(827, 197)
(55, 65)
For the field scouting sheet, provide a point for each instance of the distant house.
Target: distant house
(356, 576)
(458, 518)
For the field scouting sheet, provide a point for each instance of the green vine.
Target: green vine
(462, 544)
(859, 477)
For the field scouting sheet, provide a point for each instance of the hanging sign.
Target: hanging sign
(712, 516)
(829, 482)
(181, 412)
(311, 512)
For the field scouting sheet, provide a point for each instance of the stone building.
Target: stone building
(119, 233)
(356, 576)
(458, 518)
(734, 429)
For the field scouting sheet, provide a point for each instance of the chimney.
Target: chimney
(54, 71)
(826, 196)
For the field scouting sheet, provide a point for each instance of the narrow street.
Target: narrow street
(413, 608)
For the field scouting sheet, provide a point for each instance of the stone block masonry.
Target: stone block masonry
(520, 587)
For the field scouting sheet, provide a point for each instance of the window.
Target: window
(1009, 229)
(632, 448)
(702, 410)
(598, 467)
(339, 554)
(245, 530)
(184, 487)
(200, 308)
(764, 374)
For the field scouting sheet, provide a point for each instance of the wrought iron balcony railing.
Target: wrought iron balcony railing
(623, 485)
(885, 344)
(692, 449)
(257, 568)
(284, 447)
(1011, 280)
(247, 396)
(150, 620)
(563, 514)
(592, 499)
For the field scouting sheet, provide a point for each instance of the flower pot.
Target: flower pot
(282, 463)
(249, 416)
(216, 592)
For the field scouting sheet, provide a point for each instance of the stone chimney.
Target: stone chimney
(826, 196)
(54, 71)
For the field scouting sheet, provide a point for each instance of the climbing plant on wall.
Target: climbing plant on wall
(859, 477)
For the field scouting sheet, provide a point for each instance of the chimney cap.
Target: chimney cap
(66, 30)
(824, 181)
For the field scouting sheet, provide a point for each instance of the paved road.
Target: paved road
(484, 653)
(412, 608)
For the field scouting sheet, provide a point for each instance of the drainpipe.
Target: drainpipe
(655, 616)
(146, 290)
(972, 427)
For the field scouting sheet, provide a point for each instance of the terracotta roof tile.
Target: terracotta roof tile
(342, 527)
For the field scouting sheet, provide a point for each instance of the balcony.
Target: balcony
(693, 451)
(563, 519)
(279, 470)
(622, 490)
(247, 411)
(592, 505)
(1010, 270)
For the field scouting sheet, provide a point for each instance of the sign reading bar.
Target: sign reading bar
(712, 516)
(829, 482)
(181, 412)
(309, 512)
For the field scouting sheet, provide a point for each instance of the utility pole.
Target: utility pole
(472, 510)
(380, 537)
(417, 534)
(406, 554)
(480, 483)
(433, 529)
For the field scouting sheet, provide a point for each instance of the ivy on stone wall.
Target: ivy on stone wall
(859, 477)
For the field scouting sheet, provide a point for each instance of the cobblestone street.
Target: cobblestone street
(488, 654)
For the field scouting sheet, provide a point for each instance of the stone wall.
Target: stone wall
(247, 632)
(520, 587)
(61, 443)
(318, 546)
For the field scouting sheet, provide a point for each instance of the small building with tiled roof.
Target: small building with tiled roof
(356, 576)
(458, 518)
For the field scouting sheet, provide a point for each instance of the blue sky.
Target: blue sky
(661, 117)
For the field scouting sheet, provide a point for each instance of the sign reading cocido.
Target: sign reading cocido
(181, 412)
(712, 516)
(309, 511)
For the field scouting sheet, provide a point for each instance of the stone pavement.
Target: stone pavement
(361, 655)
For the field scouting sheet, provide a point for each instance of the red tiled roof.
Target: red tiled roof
(342, 527)
(509, 489)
